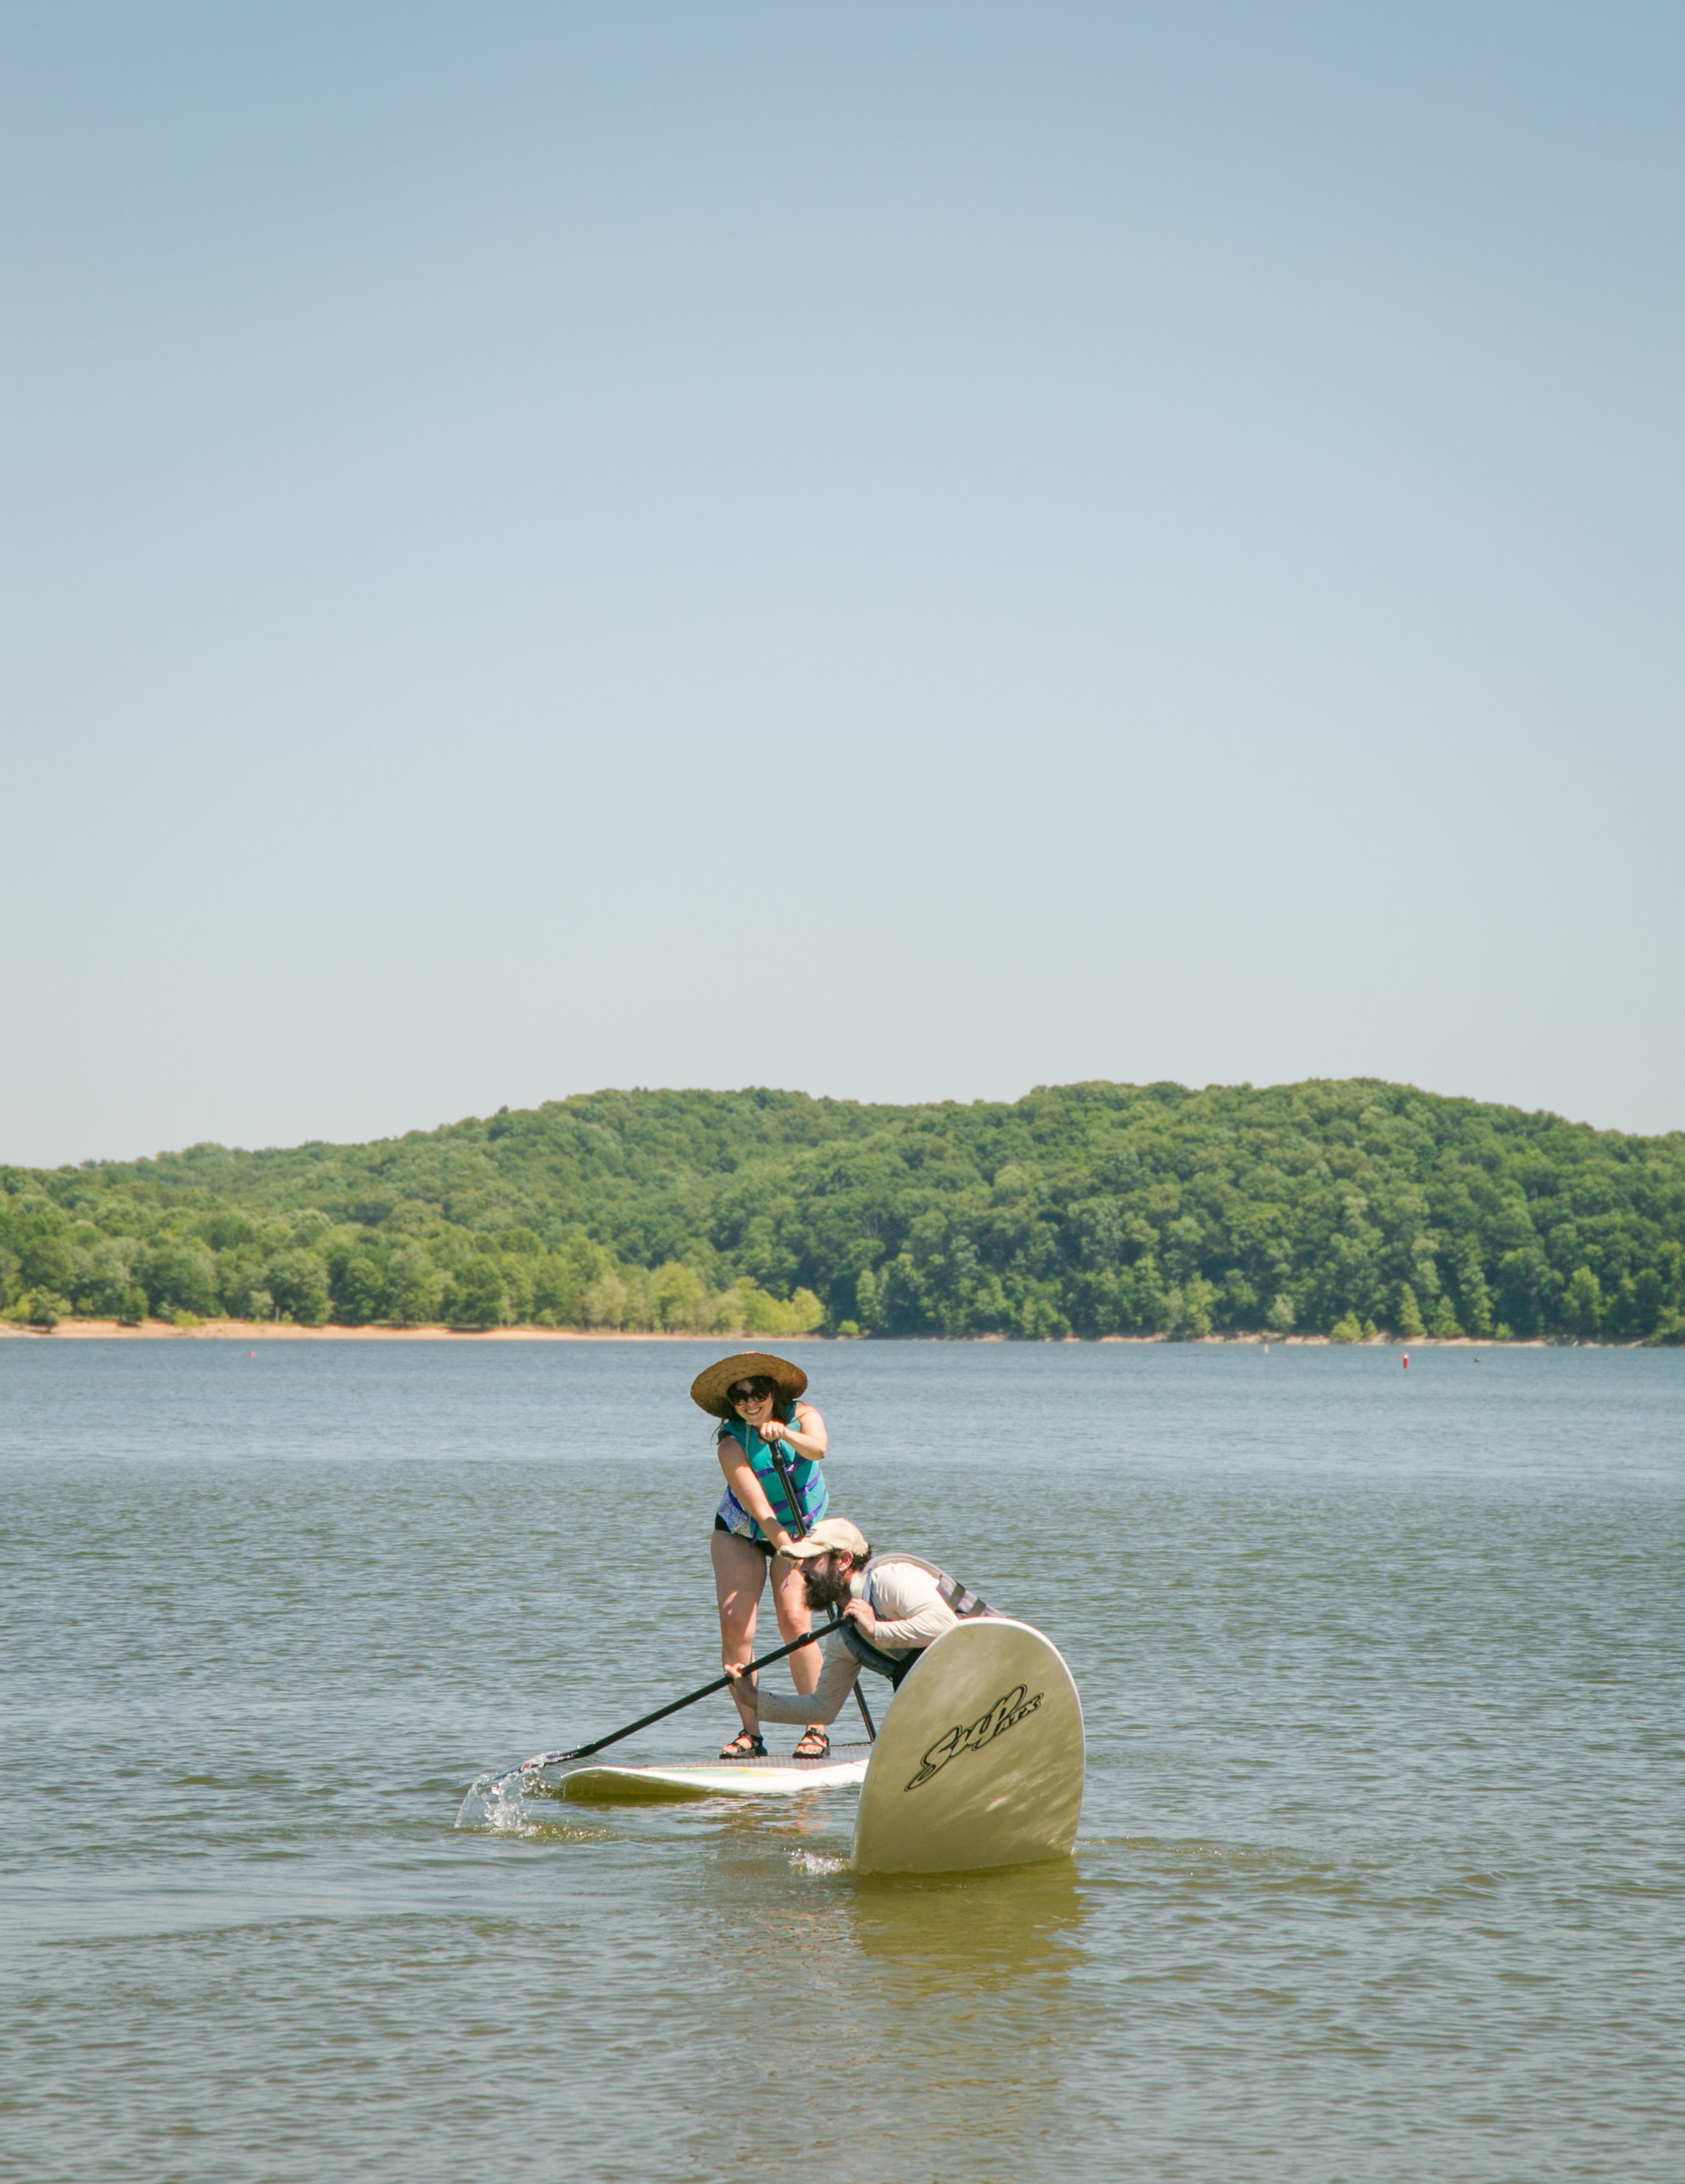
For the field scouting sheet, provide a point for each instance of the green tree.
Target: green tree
(1192, 1313)
(1638, 1304)
(1443, 1321)
(1472, 1286)
(361, 1292)
(799, 1314)
(179, 1273)
(560, 1282)
(1582, 1302)
(1523, 1289)
(1040, 1319)
(41, 1308)
(48, 1261)
(103, 1284)
(1154, 1306)
(606, 1302)
(478, 1298)
(297, 1280)
(414, 1286)
(1407, 1320)
(1239, 1304)
(1079, 1206)
(1347, 1327)
(240, 1279)
(682, 1296)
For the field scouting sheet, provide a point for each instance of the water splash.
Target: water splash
(501, 1803)
(814, 1861)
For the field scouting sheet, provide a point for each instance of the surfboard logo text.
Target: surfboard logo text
(1007, 1712)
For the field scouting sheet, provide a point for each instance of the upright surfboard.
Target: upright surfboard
(980, 1760)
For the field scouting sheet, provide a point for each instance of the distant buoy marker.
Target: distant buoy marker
(1407, 1361)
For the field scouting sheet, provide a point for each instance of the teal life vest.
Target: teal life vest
(807, 1477)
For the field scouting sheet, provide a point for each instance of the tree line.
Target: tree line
(1343, 1208)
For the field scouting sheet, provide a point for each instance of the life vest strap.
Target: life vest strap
(961, 1599)
(958, 1598)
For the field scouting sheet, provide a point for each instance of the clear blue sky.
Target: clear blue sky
(907, 551)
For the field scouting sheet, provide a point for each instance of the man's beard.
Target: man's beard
(825, 1589)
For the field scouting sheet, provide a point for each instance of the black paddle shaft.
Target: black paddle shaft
(774, 1449)
(719, 1684)
(778, 1464)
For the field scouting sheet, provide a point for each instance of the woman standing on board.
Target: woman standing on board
(771, 1446)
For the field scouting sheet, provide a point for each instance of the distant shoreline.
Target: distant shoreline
(266, 1330)
(270, 1330)
(511, 1227)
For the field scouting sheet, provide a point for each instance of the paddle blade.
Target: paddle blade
(499, 1801)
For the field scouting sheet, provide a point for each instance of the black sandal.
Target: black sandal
(745, 1745)
(812, 1735)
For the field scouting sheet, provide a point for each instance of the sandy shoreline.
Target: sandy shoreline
(268, 1330)
(264, 1330)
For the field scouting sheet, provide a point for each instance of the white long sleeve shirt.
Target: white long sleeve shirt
(911, 1614)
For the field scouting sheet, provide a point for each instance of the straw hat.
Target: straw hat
(708, 1390)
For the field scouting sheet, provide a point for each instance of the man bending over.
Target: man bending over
(893, 1605)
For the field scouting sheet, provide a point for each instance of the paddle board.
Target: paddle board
(980, 1759)
(719, 1778)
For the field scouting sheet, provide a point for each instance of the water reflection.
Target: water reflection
(939, 2012)
(925, 1933)
(971, 1993)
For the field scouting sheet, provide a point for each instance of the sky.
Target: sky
(907, 552)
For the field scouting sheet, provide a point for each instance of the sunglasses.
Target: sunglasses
(745, 1393)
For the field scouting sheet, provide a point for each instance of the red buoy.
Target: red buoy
(1407, 1361)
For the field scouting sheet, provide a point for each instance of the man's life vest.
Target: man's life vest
(896, 1665)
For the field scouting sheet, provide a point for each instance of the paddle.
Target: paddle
(719, 1684)
(774, 1449)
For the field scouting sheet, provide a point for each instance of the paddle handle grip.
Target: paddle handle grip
(776, 1452)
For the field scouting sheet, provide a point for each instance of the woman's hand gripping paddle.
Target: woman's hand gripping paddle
(493, 1787)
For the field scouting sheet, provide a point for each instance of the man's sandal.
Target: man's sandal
(745, 1745)
(814, 1745)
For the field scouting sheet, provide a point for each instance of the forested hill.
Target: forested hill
(1087, 1209)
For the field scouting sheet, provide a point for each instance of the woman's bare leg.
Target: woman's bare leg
(739, 1573)
(795, 1617)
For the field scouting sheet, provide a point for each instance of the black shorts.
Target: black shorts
(765, 1546)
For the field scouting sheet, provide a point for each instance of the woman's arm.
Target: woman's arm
(807, 1436)
(741, 1479)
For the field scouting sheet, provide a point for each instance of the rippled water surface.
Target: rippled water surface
(1382, 1867)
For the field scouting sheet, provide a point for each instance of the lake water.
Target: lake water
(1382, 1867)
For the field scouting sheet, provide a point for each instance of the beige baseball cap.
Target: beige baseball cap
(831, 1535)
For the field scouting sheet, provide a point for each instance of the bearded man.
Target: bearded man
(893, 1606)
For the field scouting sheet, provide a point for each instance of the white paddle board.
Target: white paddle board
(719, 1778)
(980, 1760)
